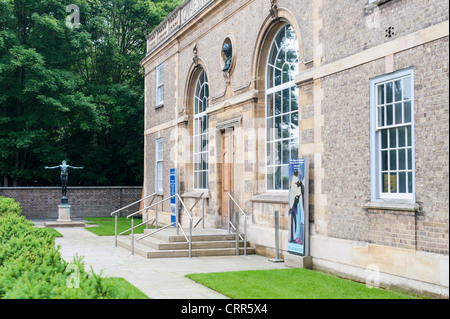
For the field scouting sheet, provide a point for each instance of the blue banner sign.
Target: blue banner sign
(173, 191)
(298, 206)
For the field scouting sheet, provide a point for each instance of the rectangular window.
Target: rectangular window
(159, 159)
(160, 85)
(392, 136)
(201, 152)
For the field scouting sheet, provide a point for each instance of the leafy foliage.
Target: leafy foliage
(74, 94)
(9, 206)
(31, 267)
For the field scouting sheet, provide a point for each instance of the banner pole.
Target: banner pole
(277, 250)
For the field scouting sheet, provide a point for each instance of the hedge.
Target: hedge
(31, 266)
(9, 205)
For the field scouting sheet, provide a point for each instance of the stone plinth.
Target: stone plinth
(297, 261)
(64, 224)
(64, 213)
(64, 218)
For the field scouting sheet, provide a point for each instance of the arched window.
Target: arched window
(281, 108)
(201, 98)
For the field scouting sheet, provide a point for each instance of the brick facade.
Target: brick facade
(42, 202)
(342, 47)
(392, 228)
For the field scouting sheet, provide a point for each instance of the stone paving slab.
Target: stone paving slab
(159, 278)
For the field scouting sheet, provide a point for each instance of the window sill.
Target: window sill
(392, 205)
(277, 197)
(196, 194)
(157, 107)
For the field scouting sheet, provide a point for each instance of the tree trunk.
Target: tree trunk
(4, 179)
(16, 166)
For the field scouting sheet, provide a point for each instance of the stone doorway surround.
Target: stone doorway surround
(228, 159)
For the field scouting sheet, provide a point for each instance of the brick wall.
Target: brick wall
(392, 228)
(347, 157)
(42, 202)
(347, 29)
(431, 66)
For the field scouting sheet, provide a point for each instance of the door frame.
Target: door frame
(223, 128)
(228, 163)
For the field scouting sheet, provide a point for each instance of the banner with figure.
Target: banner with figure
(173, 191)
(298, 207)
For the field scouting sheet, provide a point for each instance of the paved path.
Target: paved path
(161, 278)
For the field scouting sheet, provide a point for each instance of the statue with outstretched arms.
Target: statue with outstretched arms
(64, 175)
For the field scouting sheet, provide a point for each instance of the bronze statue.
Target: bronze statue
(228, 51)
(64, 177)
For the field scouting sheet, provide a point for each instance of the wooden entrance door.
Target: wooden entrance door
(227, 172)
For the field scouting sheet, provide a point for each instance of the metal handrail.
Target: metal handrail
(197, 200)
(182, 203)
(190, 225)
(202, 219)
(136, 226)
(177, 224)
(148, 207)
(120, 209)
(184, 234)
(116, 211)
(154, 232)
(242, 211)
(240, 236)
(237, 225)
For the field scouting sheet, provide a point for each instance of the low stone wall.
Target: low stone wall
(42, 202)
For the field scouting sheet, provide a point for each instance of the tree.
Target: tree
(40, 95)
(111, 69)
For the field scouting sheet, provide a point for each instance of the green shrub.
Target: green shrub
(31, 267)
(9, 206)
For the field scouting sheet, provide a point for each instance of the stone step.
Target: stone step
(149, 252)
(159, 244)
(169, 235)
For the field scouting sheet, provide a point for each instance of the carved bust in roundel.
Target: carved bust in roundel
(228, 51)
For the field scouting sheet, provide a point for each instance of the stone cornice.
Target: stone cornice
(406, 42)
(181, 16)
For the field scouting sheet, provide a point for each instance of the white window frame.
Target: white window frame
(160, 85)
(272, 90)
(159, 170)
(376, 149)
(199, 136)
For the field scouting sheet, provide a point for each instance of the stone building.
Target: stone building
(359, 88)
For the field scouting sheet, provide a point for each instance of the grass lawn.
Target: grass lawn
(106, 225)
(127, 290)
(289, 284)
